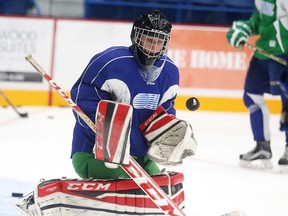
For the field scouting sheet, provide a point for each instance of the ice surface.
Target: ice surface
(39, 147)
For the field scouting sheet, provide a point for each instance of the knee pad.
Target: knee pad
(253, 101)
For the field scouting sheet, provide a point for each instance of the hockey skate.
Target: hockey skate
(259, 157)
(283, 161)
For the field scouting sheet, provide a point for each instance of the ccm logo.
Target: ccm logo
(51, 189)
(88, 186)
(150, 119)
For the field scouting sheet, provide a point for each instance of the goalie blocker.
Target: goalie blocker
(113, 126)
(71, 197)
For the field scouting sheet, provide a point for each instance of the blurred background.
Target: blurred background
(212, 12)
(63, 35)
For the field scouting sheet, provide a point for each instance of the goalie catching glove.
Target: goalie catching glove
(170, 139)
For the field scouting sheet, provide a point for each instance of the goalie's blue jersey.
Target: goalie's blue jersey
(114, 74)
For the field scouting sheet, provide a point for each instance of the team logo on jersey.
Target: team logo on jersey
(146, 101)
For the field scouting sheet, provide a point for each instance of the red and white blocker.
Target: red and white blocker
(113, 126)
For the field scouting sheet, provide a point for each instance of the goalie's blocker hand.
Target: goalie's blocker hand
(113, 126)
(170, 139)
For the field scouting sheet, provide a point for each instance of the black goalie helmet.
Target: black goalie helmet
(151, 34)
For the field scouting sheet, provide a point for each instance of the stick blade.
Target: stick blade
(235, 213)
(23, 115)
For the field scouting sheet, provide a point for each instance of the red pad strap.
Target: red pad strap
(107, 195)
(66, 185)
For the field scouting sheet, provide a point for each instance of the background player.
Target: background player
(270, 22)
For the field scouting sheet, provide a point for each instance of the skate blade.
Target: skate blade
(257, 164)
(283, 168)
(19, 207)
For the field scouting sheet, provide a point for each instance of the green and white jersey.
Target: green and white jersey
(270, 21)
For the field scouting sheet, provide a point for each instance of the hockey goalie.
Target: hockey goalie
(170, 141)
(129, 94)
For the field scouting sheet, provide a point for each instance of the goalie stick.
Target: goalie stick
(267, 54)
(133, 169)
(22, 115)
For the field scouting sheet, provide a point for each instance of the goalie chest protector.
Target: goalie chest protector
(104, 197)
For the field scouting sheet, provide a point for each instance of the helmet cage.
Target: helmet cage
(148, 47)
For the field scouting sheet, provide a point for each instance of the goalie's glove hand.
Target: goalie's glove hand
(238, 34)
(170, 139)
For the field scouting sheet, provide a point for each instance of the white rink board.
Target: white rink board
(78, 41)
(20, 37)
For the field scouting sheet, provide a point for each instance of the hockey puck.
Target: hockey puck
(192, 104)
(14, 194)
(50, 117)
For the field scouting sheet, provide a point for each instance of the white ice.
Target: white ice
(39, 147)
